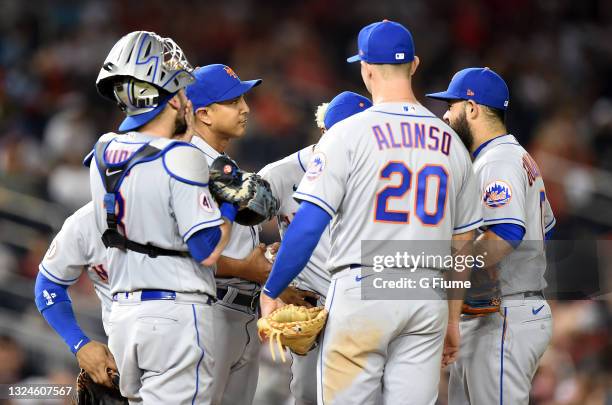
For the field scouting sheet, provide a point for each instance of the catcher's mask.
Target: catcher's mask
(141, 73)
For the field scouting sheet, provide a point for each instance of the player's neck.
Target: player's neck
(486, 133)
(215, 141)
(393, 91)
(159, 128)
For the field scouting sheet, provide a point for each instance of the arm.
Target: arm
(255, 267)
(461, 245)
(207, 244)
(300, 241)
(498, 241)
(55, 306)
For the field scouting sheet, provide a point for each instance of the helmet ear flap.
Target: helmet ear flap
(133, 96)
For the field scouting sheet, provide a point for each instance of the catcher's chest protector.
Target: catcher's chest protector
(112, 175)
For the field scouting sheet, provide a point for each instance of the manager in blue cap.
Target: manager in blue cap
(219, 104)
(477, 102)
(220, 116)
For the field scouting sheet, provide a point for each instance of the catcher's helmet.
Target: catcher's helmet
(141, 72)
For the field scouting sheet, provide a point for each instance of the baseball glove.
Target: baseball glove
(90, 393)
(248, 191)
(293, 327)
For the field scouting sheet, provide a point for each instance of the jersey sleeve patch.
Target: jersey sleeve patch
(205, 202)
(497, 194)
(317, 164)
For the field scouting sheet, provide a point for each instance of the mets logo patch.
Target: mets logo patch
(316, 166)
(497, 194)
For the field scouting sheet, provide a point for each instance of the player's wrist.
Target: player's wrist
(76, 345)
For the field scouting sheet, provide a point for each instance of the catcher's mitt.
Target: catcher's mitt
(90, 393)
(484, 297)
(249, 191)
(293, 327)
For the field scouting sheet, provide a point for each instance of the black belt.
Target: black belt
(527, 294)
(246, 300)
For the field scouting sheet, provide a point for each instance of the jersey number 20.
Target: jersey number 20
(424, 175)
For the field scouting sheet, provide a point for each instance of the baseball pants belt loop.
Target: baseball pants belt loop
(154, 295)
(246, 300)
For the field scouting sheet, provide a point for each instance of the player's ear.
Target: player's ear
(414, 65)
(471, 109)
(175, 102)
(203, 115)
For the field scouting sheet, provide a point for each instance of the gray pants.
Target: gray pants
(236, 349)
(379, 351)
(303, 384)
(499, 354)
(163, 349)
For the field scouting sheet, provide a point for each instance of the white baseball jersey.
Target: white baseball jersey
(284, 176)
(243, 238)
(163, 202)
(512, 191)
(77, 247)
(392, 172)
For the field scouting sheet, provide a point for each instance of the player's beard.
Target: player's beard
(462, 128)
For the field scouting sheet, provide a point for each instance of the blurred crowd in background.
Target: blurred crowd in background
(556, 56)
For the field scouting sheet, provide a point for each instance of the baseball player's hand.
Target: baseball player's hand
(268, 304)
(189, 120)
(95, 358)
(258, 266)
(451, 344)
(226, 230)
(295, 296)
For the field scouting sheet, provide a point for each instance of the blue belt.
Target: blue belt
(155, 295)
(151, 295)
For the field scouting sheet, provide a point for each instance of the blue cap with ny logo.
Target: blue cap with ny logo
(384, 42)
(482, 85)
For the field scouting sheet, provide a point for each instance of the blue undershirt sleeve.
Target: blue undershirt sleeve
(55, 306)
(202, 243)
(511, 233)
(299, 242)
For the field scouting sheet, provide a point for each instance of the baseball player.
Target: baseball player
(284, 176)
(161, 225)
(221, 115)
(76, 249)
(500, 351)
(394, 172)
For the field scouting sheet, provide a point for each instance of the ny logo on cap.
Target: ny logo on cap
(470, 93)
(230, 72)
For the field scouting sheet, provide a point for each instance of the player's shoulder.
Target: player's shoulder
(296, 162)
(81, 222)
(184, 162)
(505, 152)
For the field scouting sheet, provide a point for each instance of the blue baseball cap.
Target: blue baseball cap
(481, 85)
(343, 106)
(216, 83)
(134, 121)
(384, 42)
